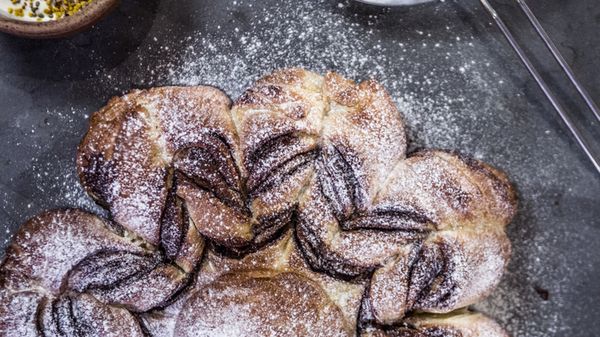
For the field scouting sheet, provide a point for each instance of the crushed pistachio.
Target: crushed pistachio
(43, 10)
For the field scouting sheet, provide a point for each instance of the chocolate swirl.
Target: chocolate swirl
(154, 154)
(319, 155)
(66, 271)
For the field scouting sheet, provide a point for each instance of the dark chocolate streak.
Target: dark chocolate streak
(338, 183)
(388, 219)
(267, 227)
(322, 260)
(128, 288)
(97, 176)
(174, 222)
(416, 332)
(440, 291)
(261, 94)
(183, 285)
(274, 155)
(143, 327)
(284, 171)
(62, 314)
(39, 317)
(267, 230)
(265, 148)
(367, 321)
(366, 318)
(425, 266)
(211, 166)
(69, 315)
(108, 269)
(429, 282)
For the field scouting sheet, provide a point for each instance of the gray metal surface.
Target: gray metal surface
(448, 68)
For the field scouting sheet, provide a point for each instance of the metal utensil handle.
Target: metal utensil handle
(542, 84)
(559, 58)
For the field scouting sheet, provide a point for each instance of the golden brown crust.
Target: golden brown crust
(261, 303)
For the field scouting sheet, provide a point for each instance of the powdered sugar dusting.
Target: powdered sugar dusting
(50, 245)
(433, 106)
(439, 112)
(280, 304)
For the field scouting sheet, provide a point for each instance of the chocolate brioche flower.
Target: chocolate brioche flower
(383, 242)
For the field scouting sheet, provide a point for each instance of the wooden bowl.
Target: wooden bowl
(85, 18)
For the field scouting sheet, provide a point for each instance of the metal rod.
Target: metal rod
(540, 81)
(559, 58)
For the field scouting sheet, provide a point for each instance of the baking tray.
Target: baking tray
(447, 67)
